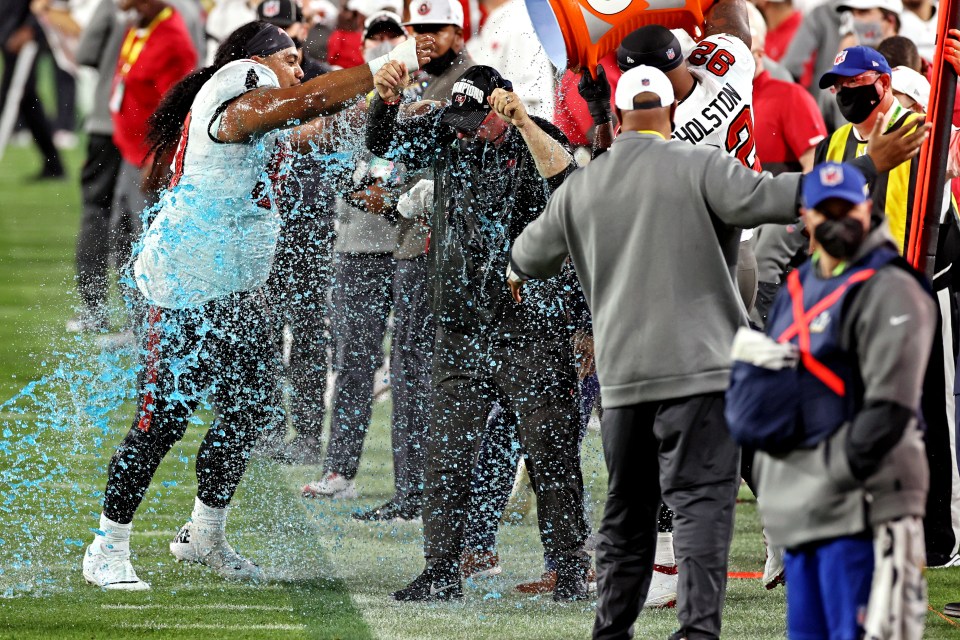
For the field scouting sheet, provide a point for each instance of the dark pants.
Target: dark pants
(412, 352)
(495, 472)
(533, 379)
(98, 181)
(361, 301)
(224, 348)
(32, 113)
(681, 449)
(299, 285)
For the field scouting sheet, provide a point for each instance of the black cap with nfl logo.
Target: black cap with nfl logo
(468, 107)
(281, 13)
(653, 45)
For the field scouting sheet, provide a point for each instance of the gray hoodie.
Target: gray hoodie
(653, 228)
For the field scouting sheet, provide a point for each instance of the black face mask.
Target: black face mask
(857, 103)
(439, 65)
(840, 238)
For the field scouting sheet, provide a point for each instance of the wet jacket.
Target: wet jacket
(484, 195)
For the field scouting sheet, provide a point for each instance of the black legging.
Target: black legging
(223, 348)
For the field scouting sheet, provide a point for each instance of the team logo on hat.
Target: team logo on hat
(831, 176)
(645, 82)
(460, 99)
(424, 8)
(840, 57)
(671, 54)
(271, 8)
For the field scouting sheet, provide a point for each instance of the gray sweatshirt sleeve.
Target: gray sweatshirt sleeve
(95, 35)
(740, 197)
(805, 42)
(892, 322)
(540, 249)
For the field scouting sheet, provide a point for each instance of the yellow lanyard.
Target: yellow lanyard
(653, 133)
(133, 44)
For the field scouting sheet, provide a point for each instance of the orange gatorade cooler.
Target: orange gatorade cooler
(577, 33)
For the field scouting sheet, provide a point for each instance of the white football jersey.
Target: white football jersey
(719, 111)
(217, 225)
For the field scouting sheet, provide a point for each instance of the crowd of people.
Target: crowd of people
(701, 240)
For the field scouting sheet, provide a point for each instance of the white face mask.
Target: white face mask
(372, 51)
(869, 33)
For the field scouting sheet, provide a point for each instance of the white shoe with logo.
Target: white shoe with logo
(109, 570)
(663, 588)
(333, 485)
(220, 556)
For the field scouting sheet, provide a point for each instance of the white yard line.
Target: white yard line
(159, 626)
(193, 607)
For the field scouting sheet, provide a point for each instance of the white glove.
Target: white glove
(405, 52)
(760, 350)
(413, 203)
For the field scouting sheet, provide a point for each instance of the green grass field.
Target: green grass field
(330, 574)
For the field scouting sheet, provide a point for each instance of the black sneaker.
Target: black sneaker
(572, 582)
(432, 585)
(391, 511)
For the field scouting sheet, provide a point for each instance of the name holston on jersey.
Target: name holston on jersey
(724, 106)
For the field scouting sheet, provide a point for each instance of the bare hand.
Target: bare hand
(509, 107)
(425, 46)
(515, 288)
(18, 38)
(584, 351)
(951, 49)
(889, 150)
(390, 80)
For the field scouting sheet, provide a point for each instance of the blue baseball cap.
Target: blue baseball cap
(852, 62)
(834, 180)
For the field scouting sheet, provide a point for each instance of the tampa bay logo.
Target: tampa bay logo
(424, 8)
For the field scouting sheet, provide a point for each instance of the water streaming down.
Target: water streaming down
(81, 405)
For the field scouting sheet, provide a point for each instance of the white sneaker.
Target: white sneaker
(221, 557)
(663, 588)
(333, 485)
(110, 570)
(773, 570)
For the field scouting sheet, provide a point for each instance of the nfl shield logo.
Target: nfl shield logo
(424, 8)
(840, 57)
(645, 82)
(271, 8)
(831, 176)
(671, 54)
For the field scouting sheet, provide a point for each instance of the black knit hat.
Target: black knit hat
(653, 45)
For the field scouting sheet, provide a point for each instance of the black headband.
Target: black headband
(268, 41)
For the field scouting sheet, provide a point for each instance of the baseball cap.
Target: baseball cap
(852, 62)
(895, 6)
(643, 79)
(914, 85)
(470, 92)
(281, 13)
(370, 7)
(833, 180)
(436, 12)
(652, 45)
(382, 21)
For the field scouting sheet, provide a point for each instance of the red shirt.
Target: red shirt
(786, 122)
(779, 39)
(345, 48)
(166, 57)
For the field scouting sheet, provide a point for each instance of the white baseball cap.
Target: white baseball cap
(896, 6)
(436, 12)
(370, 7)
(643, 79)
(914, 85)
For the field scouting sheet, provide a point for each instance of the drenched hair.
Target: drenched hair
(900, 52)
(165, 124)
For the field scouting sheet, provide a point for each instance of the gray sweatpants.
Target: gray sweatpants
(679, 448)
(361, 305)
(126, 215)
(412, 353)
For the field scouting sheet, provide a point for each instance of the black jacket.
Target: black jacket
(485, 194)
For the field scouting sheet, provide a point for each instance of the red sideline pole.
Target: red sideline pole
(928, 199)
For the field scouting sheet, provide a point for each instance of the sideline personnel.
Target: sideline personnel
(663, 428)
